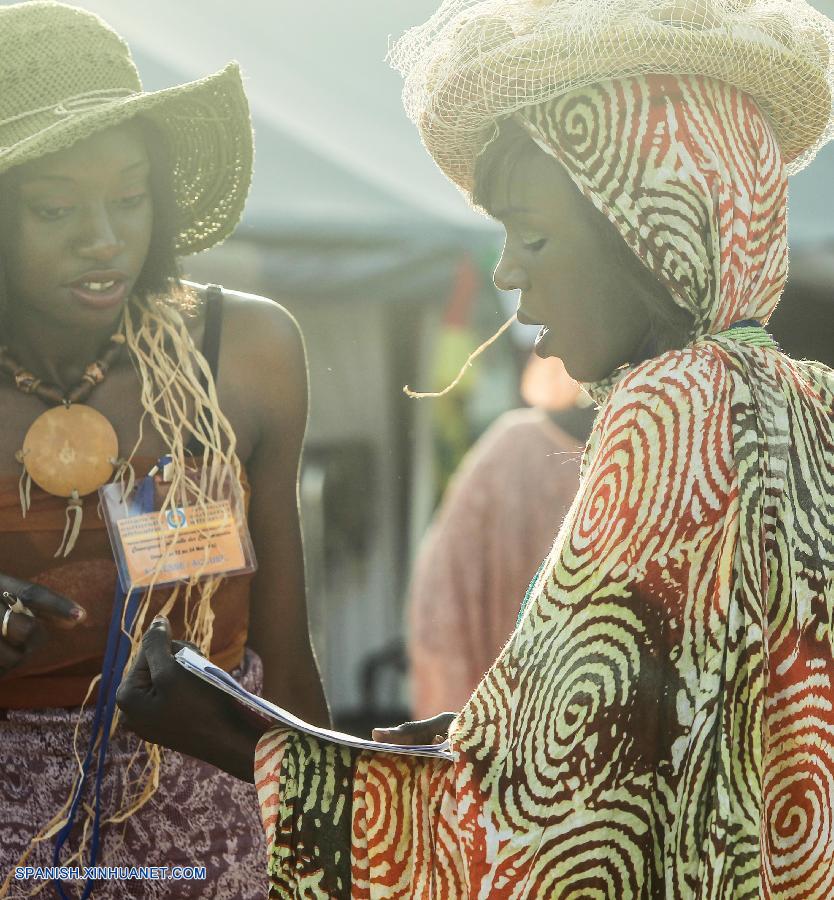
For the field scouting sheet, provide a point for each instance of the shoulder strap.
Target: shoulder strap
(211, 347)
(213, 327)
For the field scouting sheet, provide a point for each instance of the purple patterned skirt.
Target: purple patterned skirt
(198, 817)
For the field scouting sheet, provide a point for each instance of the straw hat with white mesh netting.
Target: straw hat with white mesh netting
(477, 61)
(65, 75)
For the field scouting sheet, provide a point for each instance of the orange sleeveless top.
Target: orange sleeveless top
(58, 671)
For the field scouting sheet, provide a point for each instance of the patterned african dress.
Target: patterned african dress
(661, 722)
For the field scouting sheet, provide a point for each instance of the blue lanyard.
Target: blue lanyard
(529, 594)
(748, 331)
(115, 657)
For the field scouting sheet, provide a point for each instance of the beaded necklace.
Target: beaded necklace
(71, 449)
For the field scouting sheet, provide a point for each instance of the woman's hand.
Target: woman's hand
(165, 704)
(426, 731)
(25, 610)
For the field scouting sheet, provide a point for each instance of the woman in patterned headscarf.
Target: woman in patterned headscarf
(661, 722)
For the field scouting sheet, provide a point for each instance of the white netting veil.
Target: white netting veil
(476, 61)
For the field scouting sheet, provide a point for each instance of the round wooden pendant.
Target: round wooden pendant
(70, 448)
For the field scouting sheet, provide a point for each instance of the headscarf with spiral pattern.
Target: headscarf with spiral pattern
(689, 173)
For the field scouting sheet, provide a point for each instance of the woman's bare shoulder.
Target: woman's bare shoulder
(258, 321)
(262, 377)
(258, 334)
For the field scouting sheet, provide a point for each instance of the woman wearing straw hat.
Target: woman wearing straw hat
(109, 362)
(661, 721)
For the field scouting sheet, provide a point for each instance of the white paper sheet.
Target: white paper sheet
(202, 668)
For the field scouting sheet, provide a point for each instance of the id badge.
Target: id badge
(161, 541)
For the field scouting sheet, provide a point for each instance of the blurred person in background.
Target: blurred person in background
(499, 516)
(102, 187)
(660, 722)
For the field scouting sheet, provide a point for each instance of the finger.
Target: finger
(407, 734)
(134, 725)
(385, 734)
(136, 683)
(43, 602)
(156, 643)
(9, 657)
(20, 628)
(124, 718)
(424, 731)
(399, 738)
(139, 675)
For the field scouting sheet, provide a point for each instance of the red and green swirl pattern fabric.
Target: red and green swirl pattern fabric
(661, 722)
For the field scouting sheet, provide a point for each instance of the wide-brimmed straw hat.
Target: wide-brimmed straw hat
(65, 75)
(477, 61)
